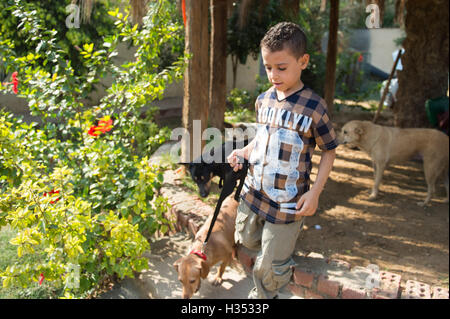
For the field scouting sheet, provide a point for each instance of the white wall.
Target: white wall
(246, 79)
(377, 45)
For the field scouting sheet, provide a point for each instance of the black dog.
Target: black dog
(202, 172)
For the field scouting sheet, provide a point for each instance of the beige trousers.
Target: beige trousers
(275, 243)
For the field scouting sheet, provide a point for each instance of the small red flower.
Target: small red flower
(104, 125)
(360, 58)
(51, 193)
(14, 82)
(41, 279)
(93, 132)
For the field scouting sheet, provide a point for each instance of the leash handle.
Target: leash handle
(228, 187)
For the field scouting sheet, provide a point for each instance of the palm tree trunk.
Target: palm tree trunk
(196, 77)
(425, 61)
(330, 77)
(218, 63)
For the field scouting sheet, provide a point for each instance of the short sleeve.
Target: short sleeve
(323, 130)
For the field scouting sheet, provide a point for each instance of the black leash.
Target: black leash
(229, 185)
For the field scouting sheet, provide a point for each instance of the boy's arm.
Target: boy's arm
(243, 152)
(309, 201)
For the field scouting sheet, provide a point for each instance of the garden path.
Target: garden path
(160, 281)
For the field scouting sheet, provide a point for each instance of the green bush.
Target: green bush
(52, 14)
(78, 189)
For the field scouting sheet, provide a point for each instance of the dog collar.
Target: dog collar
(199, 254)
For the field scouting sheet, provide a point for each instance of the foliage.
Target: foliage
(53, 17)
(78, 188)
(242, 42)
(239, 99)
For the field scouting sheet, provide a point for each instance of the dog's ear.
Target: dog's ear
(359, 130)
(204, 270)
(176, 264)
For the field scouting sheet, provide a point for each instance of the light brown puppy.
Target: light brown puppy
(386, 144)
(195, 266)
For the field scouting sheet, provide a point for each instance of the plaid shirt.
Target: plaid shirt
(280, 163)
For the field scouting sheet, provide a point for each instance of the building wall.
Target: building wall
(377, 45)
(246, 79)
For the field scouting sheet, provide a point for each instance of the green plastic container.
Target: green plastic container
(434, 107)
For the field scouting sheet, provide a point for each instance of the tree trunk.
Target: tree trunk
(425, 61)
(218, 63)
(196, 78)
(234, 64)
(330, 75)
(291, 9)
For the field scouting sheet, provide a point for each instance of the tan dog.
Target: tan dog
(196, 265)
(390, 144)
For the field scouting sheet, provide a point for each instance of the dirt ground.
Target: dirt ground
(392, 232)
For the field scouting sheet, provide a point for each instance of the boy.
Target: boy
(276, 195)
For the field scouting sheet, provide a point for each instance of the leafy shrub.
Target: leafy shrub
(53, 15)
(78, 188)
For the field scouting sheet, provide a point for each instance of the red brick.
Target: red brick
(440, 293)
(303, 278)
(380, 296)
(389, 286)
(183, 219)
(297, 290)
(416, 290)
(309, 294)
(192, 226)
(349, 292)
(176, 213)
(328, 287)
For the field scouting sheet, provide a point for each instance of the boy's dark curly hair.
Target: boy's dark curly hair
(285, 35)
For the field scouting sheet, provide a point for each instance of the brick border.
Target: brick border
(317, 283)
(317, 277)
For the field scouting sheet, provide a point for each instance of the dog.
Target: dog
(203, 171)
(390, 144)
(220, 248)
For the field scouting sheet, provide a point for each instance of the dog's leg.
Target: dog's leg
(218, 280)
(446, 185)
(446, 188)
(430, 178)
(430, 192)
(378, 168)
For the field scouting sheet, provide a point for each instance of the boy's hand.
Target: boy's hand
(308, 203)
(233, 159)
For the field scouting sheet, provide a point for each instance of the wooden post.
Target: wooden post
(196, 77)
(330, 75)
(386, 89)
(218, 63)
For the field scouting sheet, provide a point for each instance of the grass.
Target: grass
(8, 257)
(240, 115)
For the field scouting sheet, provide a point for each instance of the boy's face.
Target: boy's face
(284, 69)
